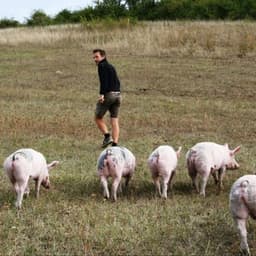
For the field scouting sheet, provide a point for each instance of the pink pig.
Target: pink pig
(162, 163)
(23, 164)
(115, 162)
(207, 158)
(242, 205)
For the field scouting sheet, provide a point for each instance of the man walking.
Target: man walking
(109, 98)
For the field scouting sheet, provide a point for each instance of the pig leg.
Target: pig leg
(221, 173)
(241, 226)
(20, 189)
(115, 185)
(196, 183)
(26, 193)
(215, 177)
(170, 180)
(165, 186)
(204, 180)
(165, 182)
(120, 187)
(127, 180)
(19, 195)
(194, 177)
(37, 186)
(164, 193)
(156, 180)
(104, 184)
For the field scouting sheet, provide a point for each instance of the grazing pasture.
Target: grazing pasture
(182, 83)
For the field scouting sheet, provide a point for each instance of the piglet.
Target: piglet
(115, 162)
(23, 164)
(162, 163)
(207, 158)
(242, 200)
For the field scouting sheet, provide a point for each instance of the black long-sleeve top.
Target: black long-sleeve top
(109, 80)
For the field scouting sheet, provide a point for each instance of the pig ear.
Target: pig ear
(52, 164)
(178, 152)
(236, 150)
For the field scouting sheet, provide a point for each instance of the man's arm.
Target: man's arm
(103, 76)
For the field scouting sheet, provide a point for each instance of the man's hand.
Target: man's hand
(101, 98)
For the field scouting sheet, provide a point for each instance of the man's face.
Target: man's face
(97, 57)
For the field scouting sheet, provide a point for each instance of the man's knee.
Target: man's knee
(98, 120)
(114, 122)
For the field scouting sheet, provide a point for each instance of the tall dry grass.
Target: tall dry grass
(215, 39)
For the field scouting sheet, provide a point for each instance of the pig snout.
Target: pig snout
(233, 165)
(47, 186)
(46, 183)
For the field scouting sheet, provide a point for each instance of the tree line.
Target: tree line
(145, 10)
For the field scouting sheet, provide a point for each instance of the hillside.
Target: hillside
(182, 83)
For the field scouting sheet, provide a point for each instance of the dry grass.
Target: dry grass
(215, 39)
(181, 83)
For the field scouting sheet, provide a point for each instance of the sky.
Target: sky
(21, 10)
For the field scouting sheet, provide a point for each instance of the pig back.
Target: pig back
(163, 157)
(243, 197)
(36, 160)
(123, 158)
(209, 155)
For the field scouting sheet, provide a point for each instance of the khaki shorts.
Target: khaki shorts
(112, 102)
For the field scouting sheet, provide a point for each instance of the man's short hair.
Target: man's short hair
(102, 52)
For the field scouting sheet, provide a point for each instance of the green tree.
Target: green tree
(146, 10)
(65, 16)
(8, 23)
(175, 9)
(243, 9)
(110, 8)
(85, 14)
(39, 18)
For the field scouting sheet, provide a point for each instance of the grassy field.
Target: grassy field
(182, 83)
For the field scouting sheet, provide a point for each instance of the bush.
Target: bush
(63, 17)
(108, 24)
(7, 23)
(39, 18)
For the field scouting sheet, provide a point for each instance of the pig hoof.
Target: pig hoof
(18, 205)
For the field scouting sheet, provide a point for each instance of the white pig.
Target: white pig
(115, 162)
(162, 163)
(23, 164)
(242, 205)
(207, 158)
